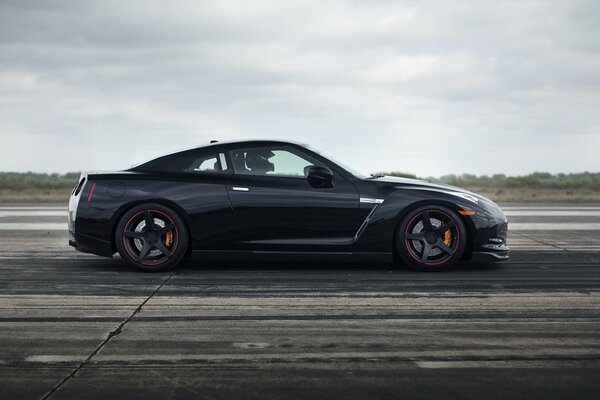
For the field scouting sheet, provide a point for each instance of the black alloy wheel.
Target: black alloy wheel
(431, 238)
(151, 237)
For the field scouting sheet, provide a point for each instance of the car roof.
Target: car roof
(250, 142)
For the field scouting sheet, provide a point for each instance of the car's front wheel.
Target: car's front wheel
(431, 238)
(151, 237)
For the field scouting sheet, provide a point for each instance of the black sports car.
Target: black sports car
(271, 199)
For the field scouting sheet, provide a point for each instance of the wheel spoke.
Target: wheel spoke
(441, 245)
(166, 229)
(426, 250)
(427, 221)
(163, 249)
(445, 227)
(133, 234)
(415, 236)
(149, 221)
(144, 251)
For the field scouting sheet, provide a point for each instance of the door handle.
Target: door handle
(240, 189)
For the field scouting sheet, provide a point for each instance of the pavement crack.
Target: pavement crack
(115, 332)
(540, 241)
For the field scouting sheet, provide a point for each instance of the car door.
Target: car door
(279, 210)
(204, 197)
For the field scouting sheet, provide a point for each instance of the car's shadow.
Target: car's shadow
(190, 265)
(197, 265)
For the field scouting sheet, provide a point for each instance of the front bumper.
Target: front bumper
(500, 253)
(490, 237)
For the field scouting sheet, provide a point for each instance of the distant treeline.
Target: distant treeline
(536, 180)
(33, 180)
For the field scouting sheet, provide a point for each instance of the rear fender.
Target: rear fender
(167, 203)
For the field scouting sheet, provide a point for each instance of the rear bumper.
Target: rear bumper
(89, 244)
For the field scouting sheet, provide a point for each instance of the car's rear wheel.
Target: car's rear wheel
(431, 238)
(151, 237)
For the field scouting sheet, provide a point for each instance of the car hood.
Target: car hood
(417, 182)
(403, 183)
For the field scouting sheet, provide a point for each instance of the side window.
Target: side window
(289, 164)
(209, 163)
(271, 162)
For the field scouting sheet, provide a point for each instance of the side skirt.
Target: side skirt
(293, 257)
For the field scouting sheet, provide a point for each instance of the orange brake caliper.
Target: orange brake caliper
(448, 238)
(169, 239)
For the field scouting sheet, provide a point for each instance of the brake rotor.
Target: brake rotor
(140, 228)
(436, 223)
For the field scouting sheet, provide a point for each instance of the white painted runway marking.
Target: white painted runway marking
(512, 226)
(495, 364)
(270, 357)
(509, 213)
(34, 213)
(553, 226)
(509, 210)
(517, 211)
(574, 207)
(552, 213)
(33, 226)
(33, 208)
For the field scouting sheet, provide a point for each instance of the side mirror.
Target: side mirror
(319, 177)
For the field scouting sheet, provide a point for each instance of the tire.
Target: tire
(158, 249)
(431, 238)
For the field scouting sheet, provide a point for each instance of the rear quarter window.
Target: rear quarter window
(210, 163)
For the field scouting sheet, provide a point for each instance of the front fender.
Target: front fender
(378, 235)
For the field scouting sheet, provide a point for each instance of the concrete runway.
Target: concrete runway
(79, 326)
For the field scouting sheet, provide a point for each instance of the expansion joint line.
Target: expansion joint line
(112, 334)
(541, 241)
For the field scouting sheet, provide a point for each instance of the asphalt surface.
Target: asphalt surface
(79, 326)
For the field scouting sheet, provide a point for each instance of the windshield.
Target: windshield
(354, 171)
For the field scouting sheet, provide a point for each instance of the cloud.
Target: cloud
(428, 87)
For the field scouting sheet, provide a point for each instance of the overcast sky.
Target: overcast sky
(430, 88)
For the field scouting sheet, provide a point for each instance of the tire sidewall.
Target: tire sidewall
(403, 251)
(179, 251)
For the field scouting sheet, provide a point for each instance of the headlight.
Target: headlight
(465, 196)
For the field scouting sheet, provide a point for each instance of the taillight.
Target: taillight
(91, 192)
